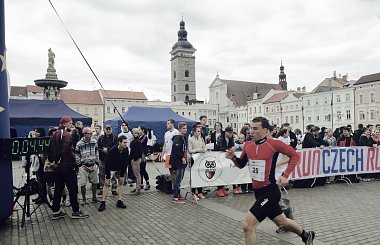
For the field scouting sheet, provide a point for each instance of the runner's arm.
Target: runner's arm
(290, 152)
(241, 161)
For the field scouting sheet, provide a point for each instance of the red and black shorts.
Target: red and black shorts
(267, 203)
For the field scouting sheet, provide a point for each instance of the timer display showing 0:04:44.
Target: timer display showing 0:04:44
(29, 146)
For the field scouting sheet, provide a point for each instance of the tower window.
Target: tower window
(186, 98)
(186, 87)
(186, 73)
(174, 99)
(174, 74)
(175, 88)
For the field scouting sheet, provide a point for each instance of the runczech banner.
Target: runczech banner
(214, 169)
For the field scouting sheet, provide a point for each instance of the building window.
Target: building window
(123, 109)
(338, 115)
(174, 99)
(255, 109)
(325, 100)
(271, 109)
(361, 99)
(308, 102)
(317, 118)
(286, 119)
(96, 111)
(297, 119)
(189, 113)
(291, 107)
(183, 113)
(108, 109)
(297, 106)
(114, 109)
(259, 109)
(214, 112)
(186, 98)
(186, 73)
(267, 109)
(372, 114)
(361, 115)
(174, 74)
(348, 97)
(175, 88)
(86, 111)
(328, 117)
(96, 122)
(316, 101)
(77, 109)
(250, 110)
(186, 87)
(338, 98)
(277, 108)
(372, 96)
(216, 95)
(309, 119)
(348, 114)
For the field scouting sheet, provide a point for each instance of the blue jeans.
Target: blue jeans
(178, 179)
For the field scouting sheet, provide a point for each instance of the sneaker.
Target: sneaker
(94, 200)
(120, 204)
(221, 193)
(176, 200)
(195, 197)
(102, 206)
(147, 188)
(114, 192)
(310, 238)
(181, 197)
(225, 192)
(58, 215)
(201, 196)
(282, 230)
(236, 191)
(79, 215)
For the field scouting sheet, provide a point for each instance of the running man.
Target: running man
(260, 155)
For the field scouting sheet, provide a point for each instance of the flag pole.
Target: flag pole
(6, 179)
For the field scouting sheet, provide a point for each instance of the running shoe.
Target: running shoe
(310, 238)
(102, 206)
(120, 204)
(195, 197)
(201, 196)
(58, 215)
(178, 201)
(79, 215)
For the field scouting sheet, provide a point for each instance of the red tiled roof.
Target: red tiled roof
(18, 91)
(71, 96)
(368, 78)
(114, 94)
(277, 97)
(33, 89)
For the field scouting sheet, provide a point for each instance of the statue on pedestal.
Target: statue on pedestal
(51, 56)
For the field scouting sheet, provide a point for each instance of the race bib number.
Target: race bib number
(257, 169)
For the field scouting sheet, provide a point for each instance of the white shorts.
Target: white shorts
(88, 176)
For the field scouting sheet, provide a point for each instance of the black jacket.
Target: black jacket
(107, 141)
(116, 161)
(357, 134)
(293, 140)
(365, 141)
(309, 141)
(136, 149)
(179, 151)
(222, 144)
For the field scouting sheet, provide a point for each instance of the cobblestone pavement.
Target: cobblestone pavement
(338, 213)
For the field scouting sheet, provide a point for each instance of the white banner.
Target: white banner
(214, 169)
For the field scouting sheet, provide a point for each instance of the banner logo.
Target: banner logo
(210, 169)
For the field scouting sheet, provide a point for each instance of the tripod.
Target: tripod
(27, 190)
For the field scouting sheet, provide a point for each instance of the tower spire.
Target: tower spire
(282, 78)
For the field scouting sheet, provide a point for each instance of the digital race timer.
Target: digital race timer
(23, 146)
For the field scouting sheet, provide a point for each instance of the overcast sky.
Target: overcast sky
(128, 42)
